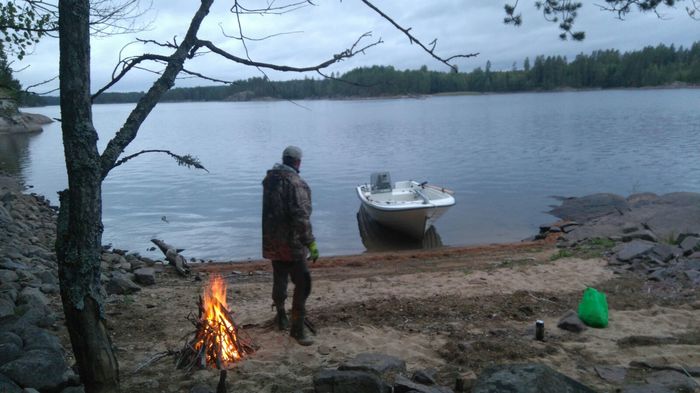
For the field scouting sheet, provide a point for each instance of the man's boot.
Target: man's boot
(281, 317)
(298, 330)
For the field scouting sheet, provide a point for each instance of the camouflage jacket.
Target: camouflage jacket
(286, 212)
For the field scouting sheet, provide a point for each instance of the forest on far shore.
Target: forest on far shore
(603, 69)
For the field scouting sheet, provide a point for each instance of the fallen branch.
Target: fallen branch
(153, 359)
(172, 255)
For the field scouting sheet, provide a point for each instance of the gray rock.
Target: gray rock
(7, 263)
(645, 389)
(349, 381)
(8, 275)
(36, 338)
(383, 366)
(8, 386)
(644, 234)
(405, 385)
(7, 307)
(612, 374)
(526, 378)
(693, 276)
(9, 352)
(38, 369)
(690, 244)
(671, 379)
(634, 249)
(590, 206)
(571, 322)
(145, 276)
(424, 376)
(50, 289)
(31, 315)
(121, 285)
(666, 252)
(8, 337)
(73, 389)
(47, 277)
(32, 296)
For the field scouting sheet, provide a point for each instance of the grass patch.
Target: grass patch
(588, 249)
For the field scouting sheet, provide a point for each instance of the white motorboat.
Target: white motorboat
(405, 206)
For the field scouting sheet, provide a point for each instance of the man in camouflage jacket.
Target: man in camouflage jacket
(287, 238)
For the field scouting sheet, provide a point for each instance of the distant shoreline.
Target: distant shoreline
(423, 96)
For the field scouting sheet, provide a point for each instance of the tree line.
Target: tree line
(602, 69)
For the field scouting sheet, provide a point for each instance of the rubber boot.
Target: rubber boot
(298, 330)
(281, 317)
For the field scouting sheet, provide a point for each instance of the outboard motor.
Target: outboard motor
(380, 182)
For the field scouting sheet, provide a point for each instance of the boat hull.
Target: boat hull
(409, 208)
(413, 222)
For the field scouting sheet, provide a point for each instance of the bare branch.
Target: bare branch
(271, 8)
(240, 38)
(143, 108)
(40, 83)
(413, 39)
(202, 76)
(186, 160)
(336, 58)
(126, 65)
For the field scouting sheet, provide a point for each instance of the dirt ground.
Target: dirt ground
(456, 310)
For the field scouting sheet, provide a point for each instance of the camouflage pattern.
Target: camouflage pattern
(286, 212)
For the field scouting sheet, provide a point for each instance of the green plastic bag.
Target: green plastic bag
(593, 309)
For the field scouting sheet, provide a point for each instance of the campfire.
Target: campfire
(217, 341)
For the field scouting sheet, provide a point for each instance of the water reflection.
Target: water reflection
(14, 152)
(376, 237)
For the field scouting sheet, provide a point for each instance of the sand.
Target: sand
(457, 310)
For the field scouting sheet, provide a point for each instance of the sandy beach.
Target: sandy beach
(456, 310)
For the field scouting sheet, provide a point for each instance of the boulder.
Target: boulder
(611, 374)
(145, 276)
(571, 322)
(8, 275)
(674, 380)
(425, 376)
(634, 249)
(32, 296)
(39, 369)
(9, 386)
(9, 352)
(7, 307)
(349, 381)
(690, 244)
(404, 385)
(383, 366)
(121, 285)
(526, 378)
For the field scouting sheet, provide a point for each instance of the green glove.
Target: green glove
(313, 249)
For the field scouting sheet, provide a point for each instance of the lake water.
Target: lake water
(503, 155)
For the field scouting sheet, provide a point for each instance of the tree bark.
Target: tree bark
(79, 230)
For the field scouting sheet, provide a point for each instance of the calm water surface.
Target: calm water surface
(504, 155)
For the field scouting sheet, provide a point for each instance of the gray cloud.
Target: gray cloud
(461, 26)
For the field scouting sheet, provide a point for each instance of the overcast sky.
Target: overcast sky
(317, 32)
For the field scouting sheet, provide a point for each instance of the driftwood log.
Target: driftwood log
(172, 255)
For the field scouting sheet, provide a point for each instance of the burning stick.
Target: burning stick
(217, 341)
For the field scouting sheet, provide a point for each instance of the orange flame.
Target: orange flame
(222, 336)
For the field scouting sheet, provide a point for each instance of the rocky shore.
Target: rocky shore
(31, 354)
(446, 320)
(12, 121)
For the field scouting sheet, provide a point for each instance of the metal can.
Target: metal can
(539, 330)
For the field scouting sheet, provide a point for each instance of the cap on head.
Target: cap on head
(292, 152)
